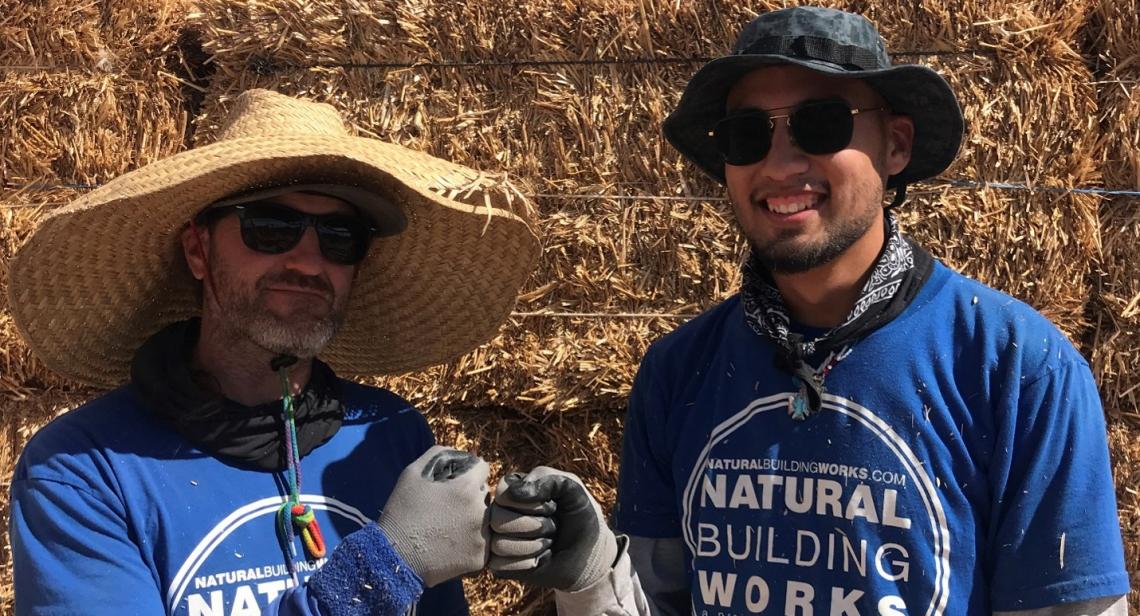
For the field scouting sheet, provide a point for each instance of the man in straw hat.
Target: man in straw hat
(212, 280)
(860, 430)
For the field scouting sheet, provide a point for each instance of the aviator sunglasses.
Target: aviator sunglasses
(816, 127)
(272, 228)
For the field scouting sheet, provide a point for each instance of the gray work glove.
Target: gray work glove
(548, 531)
(435, 517)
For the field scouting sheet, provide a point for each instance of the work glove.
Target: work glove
(548, 531)
(436, 515)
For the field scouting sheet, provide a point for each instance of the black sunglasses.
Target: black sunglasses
(816, 127)
(272, 228)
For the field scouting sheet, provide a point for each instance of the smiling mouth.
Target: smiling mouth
(793, 204)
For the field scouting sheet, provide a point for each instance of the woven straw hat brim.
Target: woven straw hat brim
(102, 274)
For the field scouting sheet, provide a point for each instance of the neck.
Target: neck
(824, 296)
(240, 369)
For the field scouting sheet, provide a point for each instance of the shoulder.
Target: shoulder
(86, 438)
(100, 422)
(366, 404)
(998, 325)
(696, 337)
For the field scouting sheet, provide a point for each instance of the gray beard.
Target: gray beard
(302, 340)
(241, 316)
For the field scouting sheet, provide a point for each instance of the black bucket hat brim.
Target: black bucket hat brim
(908, 89)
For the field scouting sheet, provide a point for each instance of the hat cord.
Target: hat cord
(293, 512)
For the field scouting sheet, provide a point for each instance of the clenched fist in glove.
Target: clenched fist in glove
(435, 517)
(547, 530)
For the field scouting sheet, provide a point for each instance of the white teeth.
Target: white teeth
(791, 204)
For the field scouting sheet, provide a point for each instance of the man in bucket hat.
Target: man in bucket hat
(860, 430)
(212, 280)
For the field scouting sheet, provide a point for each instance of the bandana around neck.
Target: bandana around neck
(897, 276)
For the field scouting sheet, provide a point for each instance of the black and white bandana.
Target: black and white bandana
(899, 273)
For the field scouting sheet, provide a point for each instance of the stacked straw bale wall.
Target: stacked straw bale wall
(635, 241)
(1115, 347)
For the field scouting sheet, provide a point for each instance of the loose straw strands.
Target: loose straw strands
(92, 37)
(1116, 340)
(86, 129)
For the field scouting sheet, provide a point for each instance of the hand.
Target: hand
(435, 517)
(548, 531)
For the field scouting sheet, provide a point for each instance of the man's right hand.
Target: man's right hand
(547, 530)
(435, 515)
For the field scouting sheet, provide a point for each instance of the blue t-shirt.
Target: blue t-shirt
(114, 513)
(959, 466)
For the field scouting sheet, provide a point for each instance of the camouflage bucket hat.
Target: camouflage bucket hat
(830, 42)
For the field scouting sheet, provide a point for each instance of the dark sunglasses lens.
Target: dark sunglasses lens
(343, 239)
(271, 230)
(744, 138)
(822, 128)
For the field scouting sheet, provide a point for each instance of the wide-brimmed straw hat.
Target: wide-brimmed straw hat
(105, 272)
(830, 42)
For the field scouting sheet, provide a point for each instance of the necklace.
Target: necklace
(800, 404)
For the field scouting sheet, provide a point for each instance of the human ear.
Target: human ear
(194, 250)
(900, 141)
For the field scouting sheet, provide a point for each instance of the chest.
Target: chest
(212, 533)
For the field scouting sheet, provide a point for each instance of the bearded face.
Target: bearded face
(292, 302)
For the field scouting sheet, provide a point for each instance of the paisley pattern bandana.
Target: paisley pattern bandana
(898, 274)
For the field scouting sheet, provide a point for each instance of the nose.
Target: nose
(784, 159)
(305, 257)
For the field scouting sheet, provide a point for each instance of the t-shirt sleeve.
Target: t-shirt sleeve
(72, 553)
(645, 499)
(1054, 531)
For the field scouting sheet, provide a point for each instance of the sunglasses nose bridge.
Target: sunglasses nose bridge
(781, 127)
(306, 254)
(785, 158)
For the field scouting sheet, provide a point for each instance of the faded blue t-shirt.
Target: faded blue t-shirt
(959, 466)
(115, 513)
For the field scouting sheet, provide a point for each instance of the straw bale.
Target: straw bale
(1030, 123)
(1015, 31)
(75, 129)
(87, 37)
(1120, 120)
(1116, 345)
(1124, 441)
(1112, 28)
